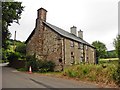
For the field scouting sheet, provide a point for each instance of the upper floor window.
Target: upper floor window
(72, 43)
(80, 46)
(72, 53)
(86, 47)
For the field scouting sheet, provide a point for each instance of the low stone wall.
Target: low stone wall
(17, 63)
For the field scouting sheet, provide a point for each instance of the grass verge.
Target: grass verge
(94, 73)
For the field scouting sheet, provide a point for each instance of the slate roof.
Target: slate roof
(62, 33)
(67, 34)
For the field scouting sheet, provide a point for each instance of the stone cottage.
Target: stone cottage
(49, 42)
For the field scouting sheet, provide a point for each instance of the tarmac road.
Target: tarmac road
(11, 78)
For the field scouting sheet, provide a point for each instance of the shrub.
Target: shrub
(13, 56)
(46, 66)
(21, 48)
(39, 65)
(116, 75)
(31, 61)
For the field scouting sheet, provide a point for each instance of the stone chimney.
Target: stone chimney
(42, 14)
(80, 34)
(73, 30)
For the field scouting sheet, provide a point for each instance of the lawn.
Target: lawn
(109, 61)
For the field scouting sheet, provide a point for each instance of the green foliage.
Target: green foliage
(45, 66)
(100, 49)
(91, 72)
(21, 48)
(116, 44)
(39, 65)
(11, 12)
(4, 54)
(117, 47)
(111, 54)
(31, 61)
(13, 56)
(116, 76)
(109, 61)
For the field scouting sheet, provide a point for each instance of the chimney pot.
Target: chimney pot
(80, 34)
(73, 30)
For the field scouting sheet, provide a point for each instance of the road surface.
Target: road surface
(12, 78)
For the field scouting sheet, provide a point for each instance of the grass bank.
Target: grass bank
(95, 73)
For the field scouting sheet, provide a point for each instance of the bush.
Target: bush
(39, 65)
(21, 48)
(13, 56)
(116, 75)
(46, 66)
(31, 61)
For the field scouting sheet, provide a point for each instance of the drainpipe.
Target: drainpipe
(83, 53)
(64, 49)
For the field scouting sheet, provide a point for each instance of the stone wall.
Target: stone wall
(80, 54)
(52, 45)
(89, 54)
(46, 44)
(72, 51)
(35, 43)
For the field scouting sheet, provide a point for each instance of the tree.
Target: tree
(100, 49)
(11, 12)
(116, 44)
(111, 54)
(21, 48)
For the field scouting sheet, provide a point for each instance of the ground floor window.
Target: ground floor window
(72, 60)
(60, 60)
(87, 60)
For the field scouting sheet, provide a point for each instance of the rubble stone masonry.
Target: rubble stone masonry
(47, 44)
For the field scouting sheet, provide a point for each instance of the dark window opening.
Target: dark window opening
(79, 45)
(60, 60)
(71, 43)
(87, 60)
(72, 53)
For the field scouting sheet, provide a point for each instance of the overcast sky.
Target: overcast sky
(98, 19)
